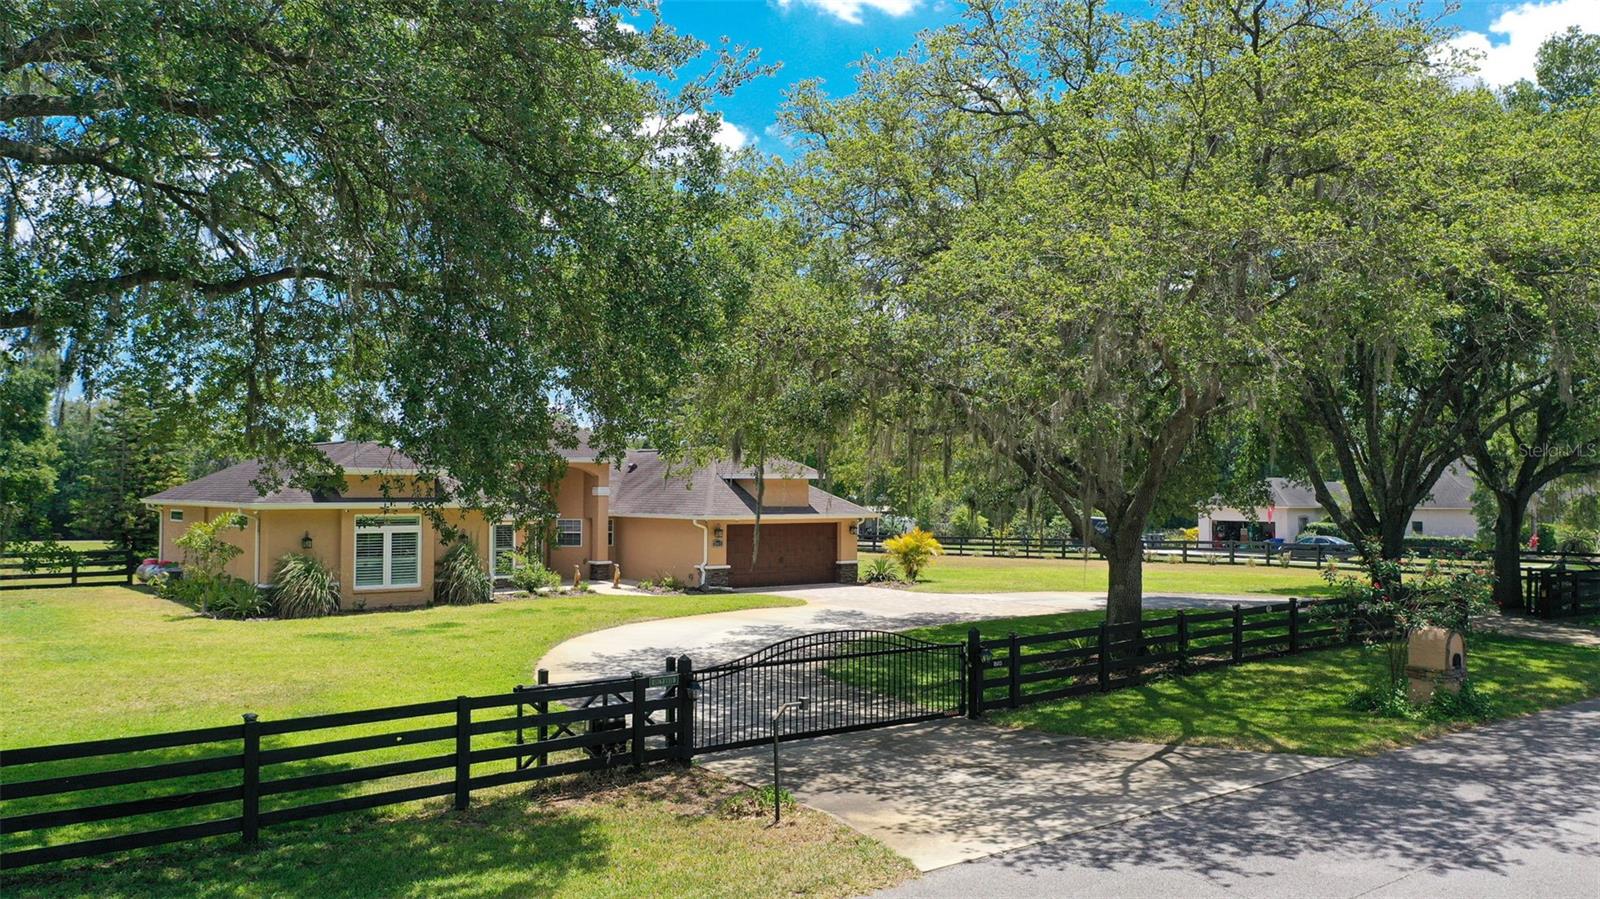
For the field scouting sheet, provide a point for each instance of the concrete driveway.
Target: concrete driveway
(723, 636)
(1511, 809)
(955, 790)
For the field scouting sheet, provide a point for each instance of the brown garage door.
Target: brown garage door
(790, 554)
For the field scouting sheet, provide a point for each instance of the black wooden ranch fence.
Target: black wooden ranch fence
(165, 788)
(1560, 592)
(1018, 670)
(73, 568)
(1216, 552)
(244, 777)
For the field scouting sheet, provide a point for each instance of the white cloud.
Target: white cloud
(850, 10)
(728, 136)
(1522, 28)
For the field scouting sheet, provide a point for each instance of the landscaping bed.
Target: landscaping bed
(1296, 704)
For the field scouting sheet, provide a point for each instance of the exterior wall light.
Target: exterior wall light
(305, 542)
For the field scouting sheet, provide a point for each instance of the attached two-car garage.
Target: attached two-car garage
(787, 554)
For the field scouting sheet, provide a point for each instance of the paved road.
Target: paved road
(723, 636)
(946, 792)
(1511, 809)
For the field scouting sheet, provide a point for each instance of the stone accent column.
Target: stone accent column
(599, 569)
(847, 572)
(716, 577)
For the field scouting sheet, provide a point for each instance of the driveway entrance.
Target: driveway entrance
(955, 790)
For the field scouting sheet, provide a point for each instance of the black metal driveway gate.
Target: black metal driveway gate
(852, 680)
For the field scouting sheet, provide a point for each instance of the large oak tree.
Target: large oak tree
(441, 224)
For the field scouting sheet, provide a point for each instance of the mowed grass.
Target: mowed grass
(981, 574)
(588, 837)
(88, 663)
(94, 663)
(1295, 704)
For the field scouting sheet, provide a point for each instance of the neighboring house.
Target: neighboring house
(1447, 512)
(697, 526)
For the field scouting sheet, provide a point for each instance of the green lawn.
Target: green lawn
(106, 661)
(594, 837)
(1294, 704)
(980, 574)
(113, 661)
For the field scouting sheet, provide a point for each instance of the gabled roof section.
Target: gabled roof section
(236, 484)
(1453, 490)
(648, 487)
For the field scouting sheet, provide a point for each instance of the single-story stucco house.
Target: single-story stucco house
(1447, 512)
(697, 526)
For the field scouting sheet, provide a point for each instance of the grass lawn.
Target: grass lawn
(1295, 704)
(113, 661)
(593, 837)
(980, 574)
(83, 664)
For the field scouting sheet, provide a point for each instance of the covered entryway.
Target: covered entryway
(789, 554)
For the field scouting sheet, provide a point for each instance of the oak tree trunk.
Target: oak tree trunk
(1124, 552)
(1509, 510)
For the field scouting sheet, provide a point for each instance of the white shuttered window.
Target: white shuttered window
(388, 551)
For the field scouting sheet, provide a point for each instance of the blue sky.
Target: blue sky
(825, 38)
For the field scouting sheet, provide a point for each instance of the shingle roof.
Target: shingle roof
(644, 485)
(237, 484)
(647, 486)
(1453, 490)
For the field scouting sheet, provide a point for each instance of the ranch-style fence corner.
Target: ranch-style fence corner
(157, 789)
(68, 568)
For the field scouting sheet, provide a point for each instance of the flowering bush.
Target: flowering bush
(1391, 609)
(913, 551)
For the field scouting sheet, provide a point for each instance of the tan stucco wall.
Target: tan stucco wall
(576, 497)
(779, 491)
(242, 565)
(648, 548)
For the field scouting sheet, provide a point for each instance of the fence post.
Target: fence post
(1294, 625)
(1185, 550)
(1233, 551)
(128, 565)
(672, 710)
(1014, 672)
(974, 674)
(463, 753)
(685, 709)
(1103, 672)
(74, 569)
(640, 684)
(1183, 643)
(1238, 634)
(1063, 547)
(542, 677)
(1320, 551)
(251, 813)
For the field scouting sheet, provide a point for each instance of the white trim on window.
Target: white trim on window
(175, 515)
(611, 532)
(497, 547)
(569, 532)
(388, 552)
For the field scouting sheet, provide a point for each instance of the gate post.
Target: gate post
(636, 737)
(685, 710)
(1014, 672)
(974, 665)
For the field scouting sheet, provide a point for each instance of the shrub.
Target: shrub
(880, 570)
(665, 583)
(1323, 528)
(205, 553)
(303, 587)
(913, 551)
(231, 597)
(459, 578)
(529, 573)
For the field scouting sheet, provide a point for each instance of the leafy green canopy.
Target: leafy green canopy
(1081, 235)
(439, 224)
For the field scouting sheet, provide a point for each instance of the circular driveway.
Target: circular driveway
(722, 636)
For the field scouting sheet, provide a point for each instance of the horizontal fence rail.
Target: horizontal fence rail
(70, 568)
(1017, 670)
(242, 778)
(1216, 552)
(1560, 592)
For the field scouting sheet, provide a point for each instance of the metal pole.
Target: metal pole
(777, 778)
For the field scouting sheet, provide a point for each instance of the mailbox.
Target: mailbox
(1436, 659)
